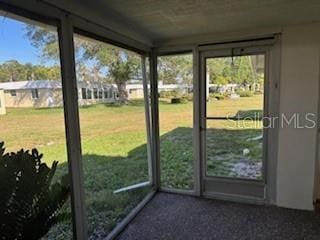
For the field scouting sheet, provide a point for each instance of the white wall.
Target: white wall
(299, 93)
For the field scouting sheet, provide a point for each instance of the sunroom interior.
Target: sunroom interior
(231, 179)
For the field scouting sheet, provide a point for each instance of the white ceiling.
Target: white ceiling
(167, 19)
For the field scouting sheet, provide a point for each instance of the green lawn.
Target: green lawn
(115, 155)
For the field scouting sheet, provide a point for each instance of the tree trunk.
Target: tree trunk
(122, 91)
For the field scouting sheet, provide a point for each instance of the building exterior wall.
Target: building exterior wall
(135, 93)
(2, 103)
(23, 98)
(48, 98)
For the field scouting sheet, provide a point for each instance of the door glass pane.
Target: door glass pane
(175, 87)
(234, 136)
(113, 132)
(32, 117)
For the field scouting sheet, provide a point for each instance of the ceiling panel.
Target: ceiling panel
(167, 19)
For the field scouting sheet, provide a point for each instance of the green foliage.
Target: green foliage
(218, 96)
(12, 70)
(44, 39)
(245, 93)
(108, 163)
(240, 70)
(113, 62)
(176, 96)
(170, 94)
(29, 202)
(175, 69)
(178, 100)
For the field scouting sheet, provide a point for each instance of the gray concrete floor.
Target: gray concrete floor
(171, 216)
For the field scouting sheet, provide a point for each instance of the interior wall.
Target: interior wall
(299, 95)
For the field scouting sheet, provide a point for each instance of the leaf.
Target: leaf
(29, 203)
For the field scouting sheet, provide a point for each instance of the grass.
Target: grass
(115, 154)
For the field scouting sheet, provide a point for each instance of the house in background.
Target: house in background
(2, 103)
(48, 93)
(135, 90)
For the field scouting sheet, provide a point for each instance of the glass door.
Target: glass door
(233, 99)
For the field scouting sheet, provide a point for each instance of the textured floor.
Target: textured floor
(170, 216)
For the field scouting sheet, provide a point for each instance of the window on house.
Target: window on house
(84, 93)
(95, 93)
(13, 93)
(100, 94)
(89, 94)
(105, 93)
(35, 93)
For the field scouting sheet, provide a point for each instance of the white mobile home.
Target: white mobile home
(48, 93)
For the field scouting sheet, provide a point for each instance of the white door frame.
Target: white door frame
(240, 189)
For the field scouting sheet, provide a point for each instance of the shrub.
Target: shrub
(188, 97)
(245, 93)
(29, 203)
(218, 96)
(169, 94)
(178, 100)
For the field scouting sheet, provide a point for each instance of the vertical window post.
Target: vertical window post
(147, 114)
(155, 120)
(71, 112)
(196, 122)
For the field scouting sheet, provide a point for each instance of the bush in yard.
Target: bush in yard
(178, 100)
(169, 94)
(218, 96)
(188, 97)
(245, 93)
(29, 201)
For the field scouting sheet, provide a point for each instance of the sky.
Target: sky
(14, 45)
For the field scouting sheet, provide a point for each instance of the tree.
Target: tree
(237, 70)
(14, 71)
(175, 69)
(111, 61)
(120, 64)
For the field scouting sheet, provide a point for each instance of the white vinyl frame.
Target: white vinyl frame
(271, 44)
(241, 189)
(196, 181)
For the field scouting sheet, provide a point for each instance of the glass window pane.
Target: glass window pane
(113, 133)
(235, 91)
(32, 117)
(175, 86)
